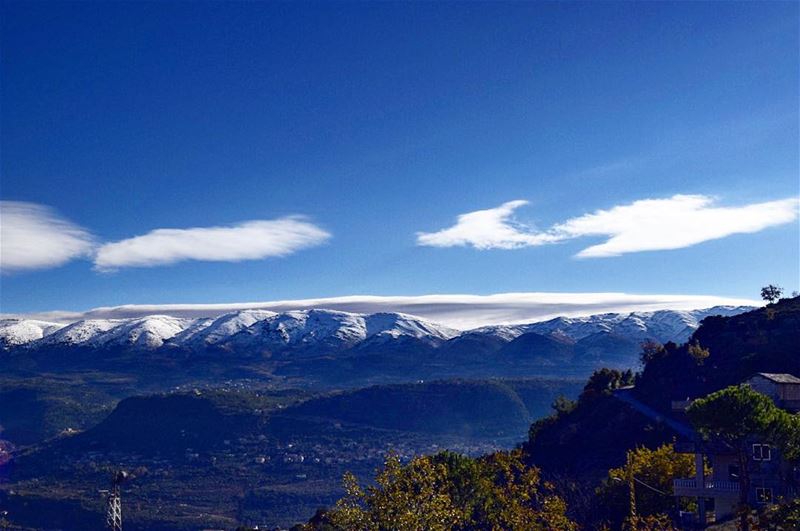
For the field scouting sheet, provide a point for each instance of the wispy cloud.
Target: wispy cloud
(493, 228)
(673, 223)
(250, 240)
(35, 237)
(645, 225)
(458, 311)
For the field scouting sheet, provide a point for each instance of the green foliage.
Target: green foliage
(657, 468)
(405, 498)
(451, 492)
(786, 434)
(698, 353)
(605, 380)
(651, 350)
(563, 405)
(771, 293)
(735, 414)
(36, 408)
(469, 408)
(653, 522)
(781, 517)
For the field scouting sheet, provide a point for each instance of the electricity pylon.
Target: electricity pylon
(114, 502)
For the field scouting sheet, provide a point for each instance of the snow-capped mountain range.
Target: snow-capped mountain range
(330, 330)
(661, 326)
(257, 329)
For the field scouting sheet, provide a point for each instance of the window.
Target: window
(762, 452)
(763, 495)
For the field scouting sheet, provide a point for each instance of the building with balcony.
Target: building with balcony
(771, 477)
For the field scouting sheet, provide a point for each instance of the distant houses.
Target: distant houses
(783, 389)
(771, 477)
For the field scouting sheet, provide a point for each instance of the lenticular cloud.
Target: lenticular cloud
(493, 228)
(673, 223)
(645, 225)
(35, 237)
(250, 240)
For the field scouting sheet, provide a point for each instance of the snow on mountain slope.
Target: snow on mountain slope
(206, 332)
(81, 333)
(333, 330)
(145, 332)
(394, 325)
(328, 329)
(14, 332)
(302, 328)
(662, 325)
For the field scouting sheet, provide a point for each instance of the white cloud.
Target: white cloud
(250, 240)
(458, 311)
(35, 237)
(645, 225)
(674, 223)
(493, 228)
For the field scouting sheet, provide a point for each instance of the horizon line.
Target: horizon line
(460, 311)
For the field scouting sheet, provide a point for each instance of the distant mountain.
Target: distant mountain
(538, 349)
(612, 339)
(168, 423)
(607, 348)
(143, 333)
(241, 330)
(207, 332)
(313, 332)
(15, 332)
(661, 326)
(383, 341)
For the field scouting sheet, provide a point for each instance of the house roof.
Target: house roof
(780, 378)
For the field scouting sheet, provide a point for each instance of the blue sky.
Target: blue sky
(377, 122)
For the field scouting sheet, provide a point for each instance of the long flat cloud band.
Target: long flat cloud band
(459, 311)
(644, 225)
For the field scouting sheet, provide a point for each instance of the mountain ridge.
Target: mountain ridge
(332, 330)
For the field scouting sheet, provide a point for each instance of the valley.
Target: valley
(254, 417)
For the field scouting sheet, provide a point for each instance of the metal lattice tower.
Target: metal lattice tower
(114, 503)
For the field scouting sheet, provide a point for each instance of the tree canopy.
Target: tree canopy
(771, 293)
(655, 468)
(737, 413)
(448, 491)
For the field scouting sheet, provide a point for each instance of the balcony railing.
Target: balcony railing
(723, 486)
(689, 487)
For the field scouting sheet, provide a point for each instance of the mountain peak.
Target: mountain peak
(322, 329)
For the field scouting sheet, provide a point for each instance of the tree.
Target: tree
(648, 472)
(448, 491)
(514, 497)
(782, 516)
(651, 350)
(563, 405)
(405, 499)
(735, 416)
(698, 353)
(771, 293)
(606, 380)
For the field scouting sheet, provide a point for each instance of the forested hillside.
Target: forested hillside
(576, 449)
